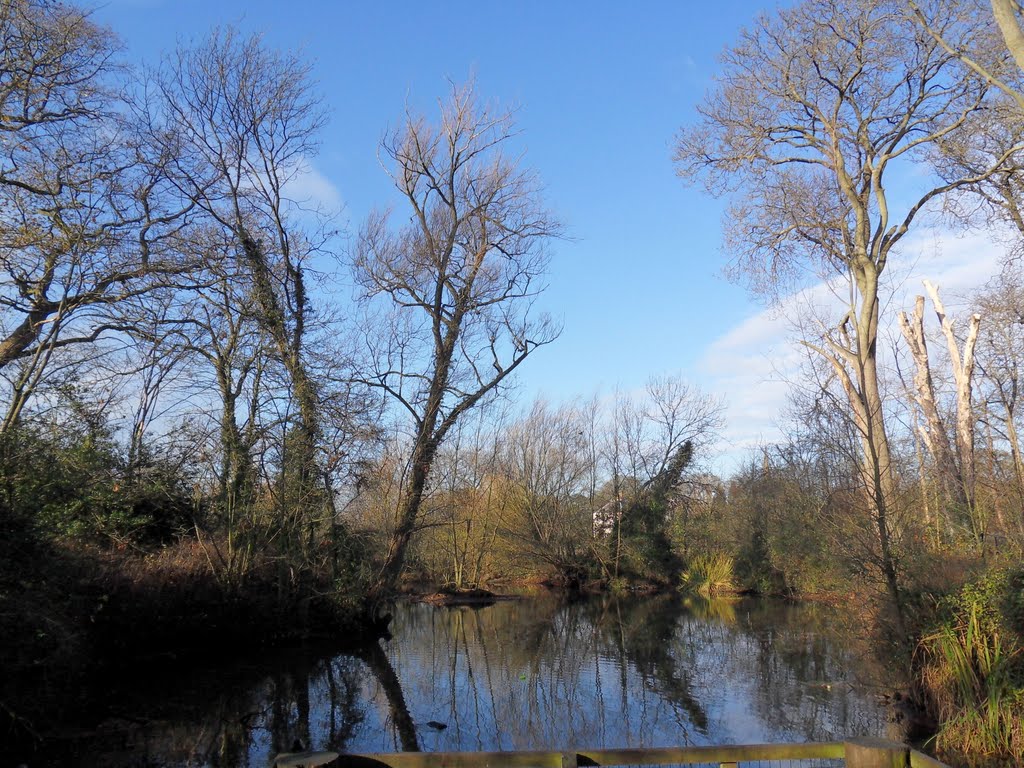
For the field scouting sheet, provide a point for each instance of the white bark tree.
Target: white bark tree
(1000, 359)
(956, 467)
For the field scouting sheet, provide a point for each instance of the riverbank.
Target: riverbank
(70, 614)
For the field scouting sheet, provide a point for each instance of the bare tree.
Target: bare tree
(933, 431)
(995, 133)
(457, 281)
(963, 372)
(817, 106)
(651, 430)
(983, 59)
(549, 475)
(216, 324)
(652, 443)
(242, 122)
(1000, 360)
(469, 502)
(85, 200)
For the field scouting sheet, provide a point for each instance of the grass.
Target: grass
(974, 676)
(709, 575)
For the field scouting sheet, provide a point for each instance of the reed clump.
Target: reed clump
(973, 669)
(709, 575)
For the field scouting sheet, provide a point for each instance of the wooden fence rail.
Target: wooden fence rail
(856, 753)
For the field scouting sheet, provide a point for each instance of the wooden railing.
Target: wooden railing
(856, 753)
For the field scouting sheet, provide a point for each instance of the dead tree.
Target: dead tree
(956, 467)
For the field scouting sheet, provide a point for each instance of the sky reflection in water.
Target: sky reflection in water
(536, 673)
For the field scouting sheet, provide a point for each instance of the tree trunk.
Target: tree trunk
(935, 435)
(391, 570)
(880, 484)
(289, 351)
(1018, 463)
(922, 477)
(997, 501)
(866, 403)
(963, 370)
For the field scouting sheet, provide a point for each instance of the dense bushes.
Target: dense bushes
(645, 553)
(73, 481)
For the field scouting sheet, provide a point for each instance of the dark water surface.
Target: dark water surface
(536, 673)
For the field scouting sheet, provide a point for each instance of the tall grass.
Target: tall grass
(709, 575)
(974, 676)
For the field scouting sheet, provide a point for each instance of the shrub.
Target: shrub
(646, 554)
(72, 481)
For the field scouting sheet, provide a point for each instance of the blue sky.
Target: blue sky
(602, 89)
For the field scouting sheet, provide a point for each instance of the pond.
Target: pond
(532, 673)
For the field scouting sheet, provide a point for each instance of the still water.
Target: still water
(535, 673)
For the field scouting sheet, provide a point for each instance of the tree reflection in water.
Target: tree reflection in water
(527, 674)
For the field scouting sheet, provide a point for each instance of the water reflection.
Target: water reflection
(531, 674)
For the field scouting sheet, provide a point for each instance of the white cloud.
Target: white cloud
(753, 363)
(310, 189)
(756, 332)
(958, 264)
